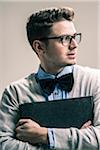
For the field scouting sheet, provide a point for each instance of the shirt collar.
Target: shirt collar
(41, 74)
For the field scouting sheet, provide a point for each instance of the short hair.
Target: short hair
(40, 23)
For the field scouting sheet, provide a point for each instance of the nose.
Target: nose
(73, 44)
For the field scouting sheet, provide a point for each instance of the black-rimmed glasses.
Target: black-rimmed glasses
(65, 39)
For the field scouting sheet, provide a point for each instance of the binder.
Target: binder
(73, 112)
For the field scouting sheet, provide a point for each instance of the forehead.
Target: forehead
(63, 27)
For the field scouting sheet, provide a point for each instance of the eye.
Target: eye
(61, 38)
(67, 38)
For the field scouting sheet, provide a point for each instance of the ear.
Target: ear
(39, 47)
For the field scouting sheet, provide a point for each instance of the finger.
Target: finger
(20, 128)
(29, 121)
(22, 121)
(20, 137)
(87, 124)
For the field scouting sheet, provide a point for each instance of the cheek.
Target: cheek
(57, 50)
(61, 53)
(57, 54)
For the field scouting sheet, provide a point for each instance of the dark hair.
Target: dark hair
(39, 23)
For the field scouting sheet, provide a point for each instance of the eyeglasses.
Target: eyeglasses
(65, 39)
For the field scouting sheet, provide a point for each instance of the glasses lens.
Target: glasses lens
(65, 40)
(78, 38)
(68, 38)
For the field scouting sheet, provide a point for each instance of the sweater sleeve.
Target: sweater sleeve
(8, 119)
(75, 139)
(88, 138)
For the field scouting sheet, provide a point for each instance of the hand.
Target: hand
(87, 124)
(30, 131)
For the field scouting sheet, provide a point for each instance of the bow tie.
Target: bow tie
(65, 82)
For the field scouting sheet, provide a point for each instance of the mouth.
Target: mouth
(71, 55)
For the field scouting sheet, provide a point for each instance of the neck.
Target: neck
(52, 70)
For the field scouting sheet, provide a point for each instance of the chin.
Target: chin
(71, 63)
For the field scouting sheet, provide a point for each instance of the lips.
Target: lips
(71, 55)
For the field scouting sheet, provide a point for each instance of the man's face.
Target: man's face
(56, 54)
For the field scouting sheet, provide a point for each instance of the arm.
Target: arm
(84, 139)
(29, 131)
(64, 138)
(18, 138)
(8, 120)
(75, 139)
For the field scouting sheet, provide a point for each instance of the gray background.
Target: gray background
(16, 56)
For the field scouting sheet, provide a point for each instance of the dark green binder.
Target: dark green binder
(73, 112)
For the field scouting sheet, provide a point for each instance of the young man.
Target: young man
(53, 37)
